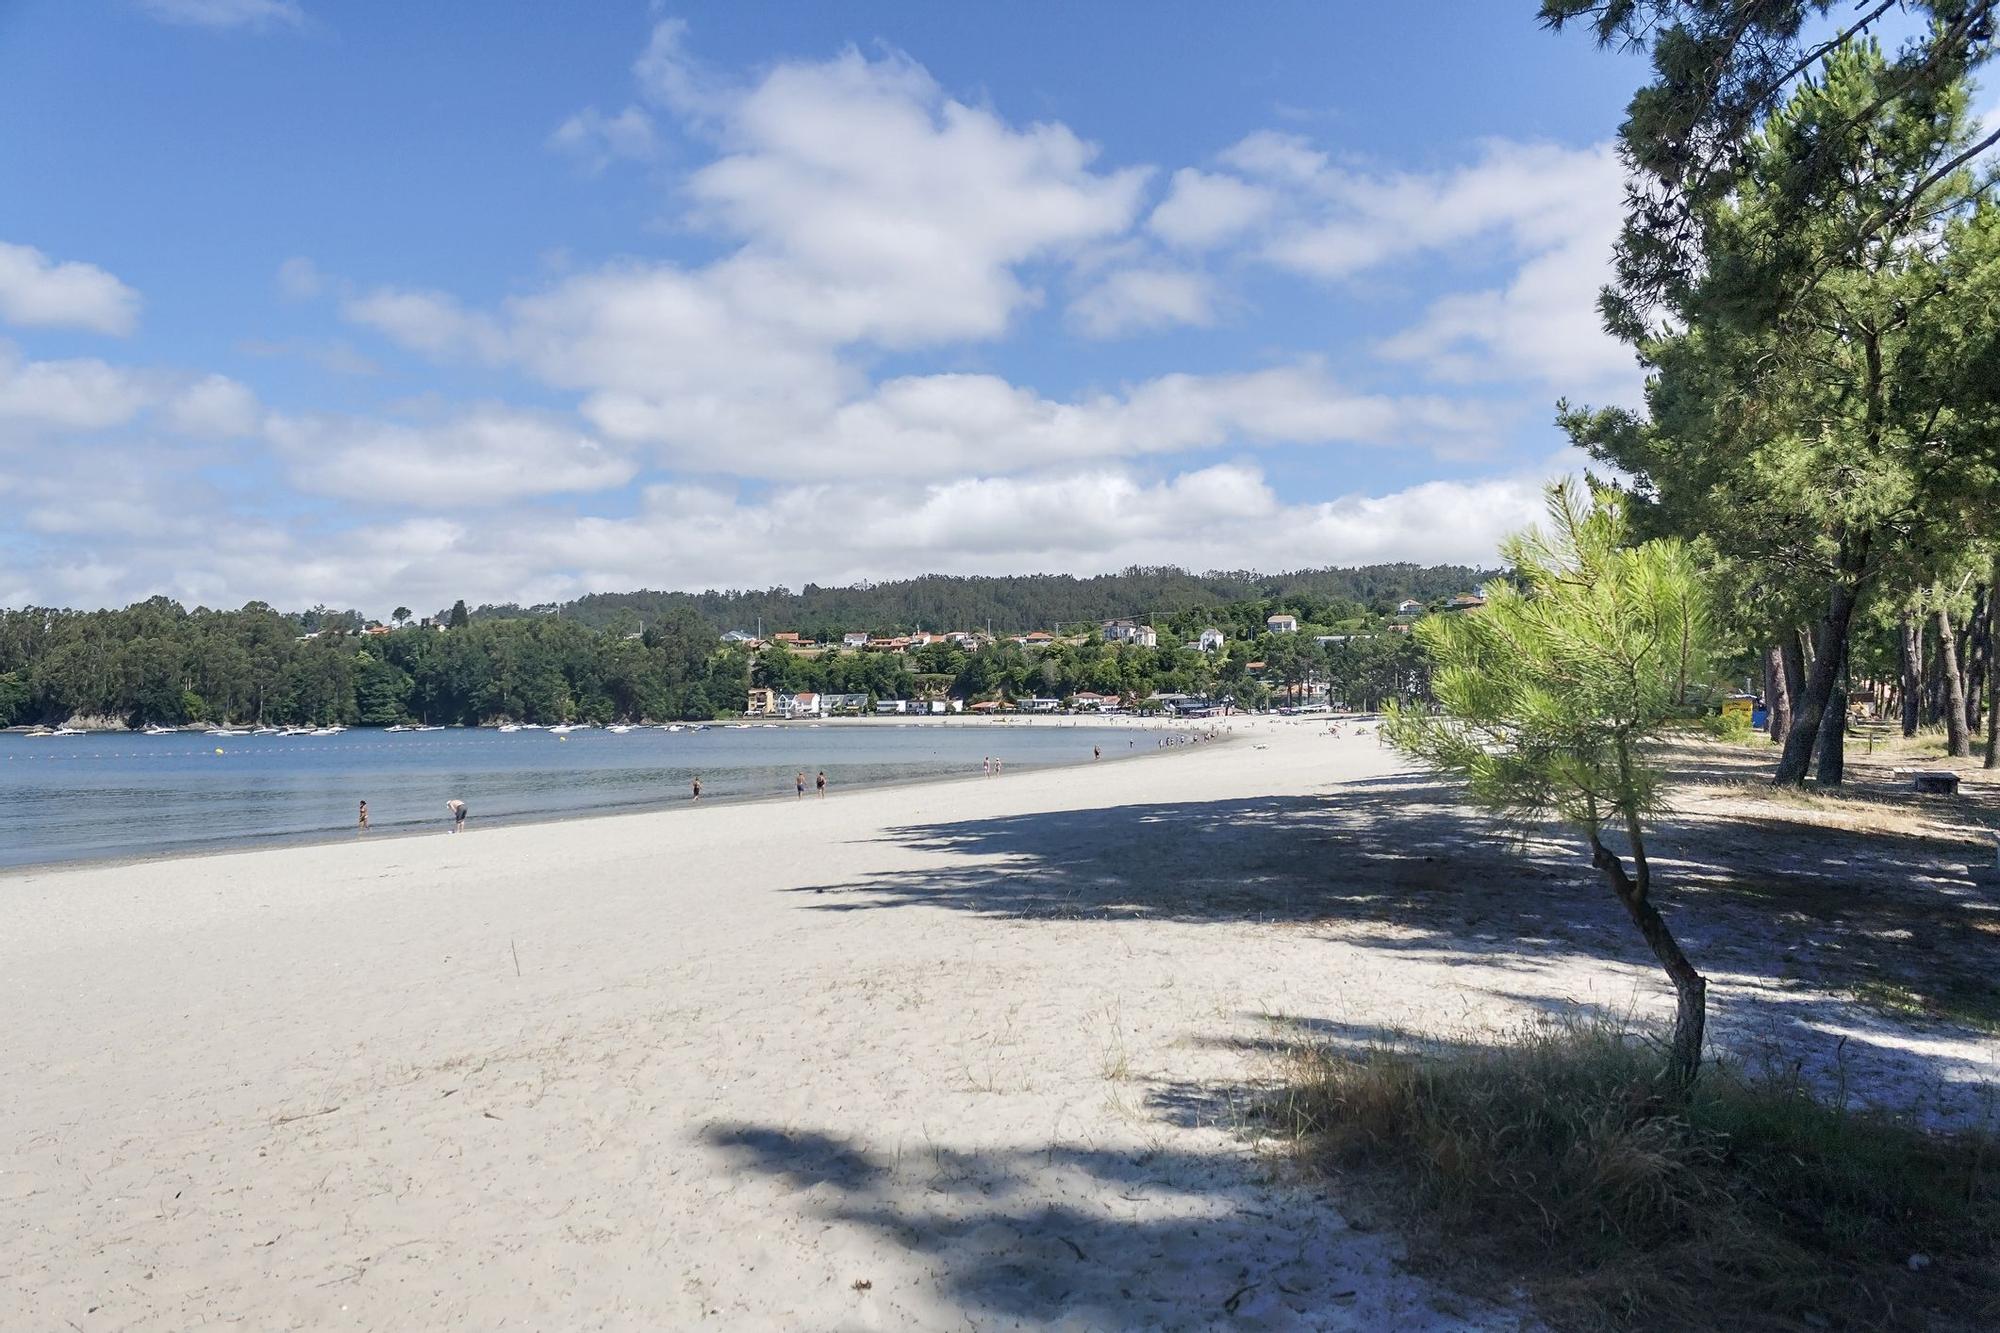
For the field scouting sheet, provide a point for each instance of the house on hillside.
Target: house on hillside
(855, 641)
(1038, 705)
(962, 638)
(1038, 638)
(1093, 702)
(1409, 606)
(842, 704)
(1281, 624)
(803, 704)
(1130, 631)
(1211, 640)
(1465, 601)
(738, 636)
(761, 703)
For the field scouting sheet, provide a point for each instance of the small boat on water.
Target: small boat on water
(40, 732)
(399, 727)
(296, 731)
(427, 727)
(326, 731)
(511, 726)
(157, 730)
(565, 728)
(618, 730)
(268, 731)
(672, 726)
(227, 731)
(532, 726)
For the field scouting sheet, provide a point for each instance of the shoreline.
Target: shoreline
(278, 842)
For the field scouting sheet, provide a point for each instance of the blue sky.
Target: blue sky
(379, 303)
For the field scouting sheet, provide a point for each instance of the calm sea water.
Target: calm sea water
(74, 798)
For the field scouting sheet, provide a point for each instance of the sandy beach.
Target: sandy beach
(962, 1056)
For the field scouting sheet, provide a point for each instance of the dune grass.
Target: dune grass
(1557, 1165)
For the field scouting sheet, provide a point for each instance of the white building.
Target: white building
(859, 639)
(1409, 606)
(1211, 640)
(1130, 631)
(805, 704)
(1282, 624)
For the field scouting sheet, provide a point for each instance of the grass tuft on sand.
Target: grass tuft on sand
(1557, 1164)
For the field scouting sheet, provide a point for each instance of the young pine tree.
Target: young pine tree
(1549, 695)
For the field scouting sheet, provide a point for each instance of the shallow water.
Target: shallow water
(119, 795)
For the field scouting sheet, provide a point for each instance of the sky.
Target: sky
(373, 304)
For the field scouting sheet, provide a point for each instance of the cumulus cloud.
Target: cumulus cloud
(83, 394)
(1549, 212)
(594, 140)
(219, 14)
(36, 291)
(1204, 209)
(215, 407)
(484, 456)
(1138, 300)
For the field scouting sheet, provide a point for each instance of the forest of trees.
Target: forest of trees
(1809, 272)
(1013, 604)
(156, 662)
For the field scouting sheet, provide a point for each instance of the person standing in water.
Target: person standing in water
(697, 789)
(822, 782)
(801, 783)
(458, 813)
(364, 816)
(1096, 753)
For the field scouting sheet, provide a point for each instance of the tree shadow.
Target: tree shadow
(1788, 917)
(1092, 1237)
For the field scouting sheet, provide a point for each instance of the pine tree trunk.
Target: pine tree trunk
(1777, 703)
(1911, 655)
(1690, 987)
(1958, 735)
(1832, 767)
(1828, 651)
(1977, 640)
(1993, 671)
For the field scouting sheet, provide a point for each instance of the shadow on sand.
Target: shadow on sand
(1779, 915)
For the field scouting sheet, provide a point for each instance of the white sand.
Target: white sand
(849, 1063)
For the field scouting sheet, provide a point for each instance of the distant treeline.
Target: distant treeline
(657, 656)
(156, 662)
(1016, 604)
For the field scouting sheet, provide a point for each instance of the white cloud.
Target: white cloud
(1274, 156)
(1139, 300)
(299, 279)
(595, 140)
(1067, 520)
(214, 407)
(942, 425)
(76, 395)
(485, 456)
(1204, 209)
(226, 13)
(426, 321)
(36, 291)
(1543, 326)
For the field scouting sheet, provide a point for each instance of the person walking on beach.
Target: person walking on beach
(822, 782)
(986, 765)
(364, 816)
(697, 789)
(1096, 753)
(458, 812)
(802, 785)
